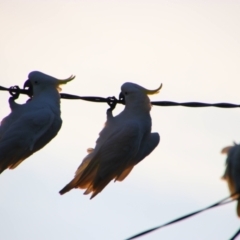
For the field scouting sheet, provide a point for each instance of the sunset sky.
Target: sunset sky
(192, 48)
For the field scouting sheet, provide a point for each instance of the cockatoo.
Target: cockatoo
(30, 126)
(232, 172)
(125, 140)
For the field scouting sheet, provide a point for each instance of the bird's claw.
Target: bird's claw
(15, 92)
(112, 102)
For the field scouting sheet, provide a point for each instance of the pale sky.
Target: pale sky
(192, 47)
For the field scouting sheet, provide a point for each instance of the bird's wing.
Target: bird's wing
(113, 157)
(8, 121)
(146, 147)
(232, 175)
(16, 111)
(5, 123)
(235, 167)
(19, 140)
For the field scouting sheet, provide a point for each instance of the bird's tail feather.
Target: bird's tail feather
(14, 165)
(100, 186)
(11, 159)
(87, 173)
(10, 162)
(124, 174)
(68, 187)
(88, 190)
(83, 177)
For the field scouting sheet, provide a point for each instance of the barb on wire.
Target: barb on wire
(121, 101)
(219, 203)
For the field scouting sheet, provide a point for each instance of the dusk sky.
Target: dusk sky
(192, 48)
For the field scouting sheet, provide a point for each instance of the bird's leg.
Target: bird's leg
(15, 92)
(112, 102)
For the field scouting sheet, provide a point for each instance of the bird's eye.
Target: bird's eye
(126, 93)
(36, 82)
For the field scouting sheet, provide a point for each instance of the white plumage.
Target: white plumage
(125, 140)
(30, 126)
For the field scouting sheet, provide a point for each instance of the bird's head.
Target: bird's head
(131, 92)
(38, 81)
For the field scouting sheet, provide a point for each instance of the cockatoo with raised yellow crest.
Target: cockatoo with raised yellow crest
(125, 140)
(30, 126)
(232, 172)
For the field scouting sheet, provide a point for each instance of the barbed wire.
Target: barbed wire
(219, 203)
(121, 101)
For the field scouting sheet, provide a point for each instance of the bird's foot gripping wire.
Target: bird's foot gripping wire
(15, 92)
(112, 102)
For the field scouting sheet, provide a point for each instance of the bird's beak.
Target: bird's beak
(151, 92)
(29, 87)
(121, 98)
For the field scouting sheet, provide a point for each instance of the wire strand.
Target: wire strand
(155, 103)
(219, 203)
(195, 104)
